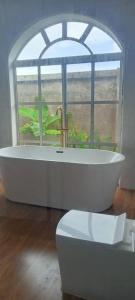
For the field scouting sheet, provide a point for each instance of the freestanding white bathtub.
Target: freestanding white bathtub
(61, 178)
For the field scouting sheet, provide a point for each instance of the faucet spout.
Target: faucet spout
(63, 130)
(60, 110)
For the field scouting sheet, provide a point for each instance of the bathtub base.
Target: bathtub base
(64, 208)
(62, 187)
(32, 176)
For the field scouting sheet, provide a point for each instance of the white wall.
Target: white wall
(118, 15)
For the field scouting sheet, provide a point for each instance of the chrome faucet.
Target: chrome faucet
(62, 129)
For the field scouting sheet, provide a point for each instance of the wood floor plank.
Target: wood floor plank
(28, 258)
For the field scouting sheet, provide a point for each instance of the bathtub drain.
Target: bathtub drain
(59, 151)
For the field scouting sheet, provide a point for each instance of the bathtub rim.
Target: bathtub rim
(117, 161)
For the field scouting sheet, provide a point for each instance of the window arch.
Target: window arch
(75, 65)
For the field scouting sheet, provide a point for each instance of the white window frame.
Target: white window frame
(64, 61)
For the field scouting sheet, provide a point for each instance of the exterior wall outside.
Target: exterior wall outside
(79, 89)
(116, 15)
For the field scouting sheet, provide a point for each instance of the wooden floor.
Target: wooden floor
(28, 258)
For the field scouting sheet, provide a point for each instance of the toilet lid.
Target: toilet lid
(94, 227)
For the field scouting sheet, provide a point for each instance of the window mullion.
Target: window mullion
(70, 60)
(92, 101)
(64, 98)
(64, 91)
(40, 105)
(86, 33)
(45, 37)
(16, 104)
(64, 30)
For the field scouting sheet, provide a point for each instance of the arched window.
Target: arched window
(77, 66)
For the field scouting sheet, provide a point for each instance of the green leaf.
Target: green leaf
(35, 129)
(26, 128)
(29, 113)
(53, 132)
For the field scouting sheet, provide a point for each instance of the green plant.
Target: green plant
(50, 125)
(78, 136)
(31, 125)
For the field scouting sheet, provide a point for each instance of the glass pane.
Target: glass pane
(107, 80)
(54, 32)
(79, 82)
(50, 125)
(65, 48)
(101, 42)
(78, 124)
(51, 83)
(110, 148)
(106, 129)
(33, 48)
(76, 29)
(29, 132)
(27, 84)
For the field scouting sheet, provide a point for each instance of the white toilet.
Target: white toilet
(96, 255)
